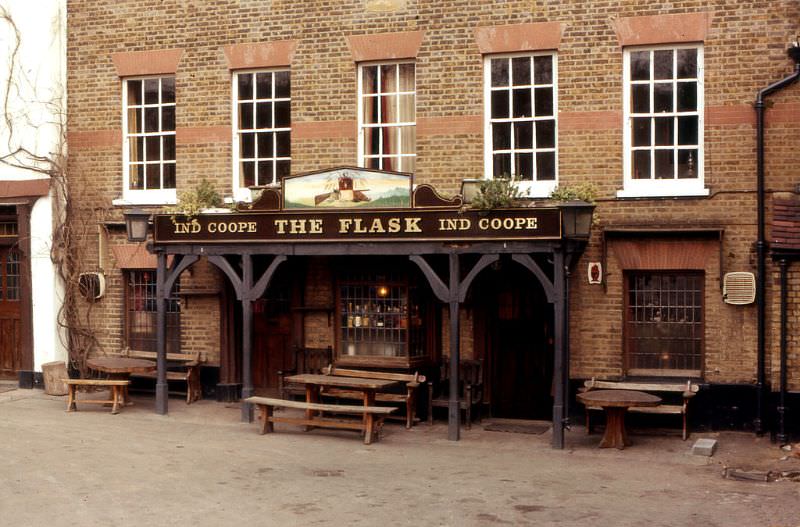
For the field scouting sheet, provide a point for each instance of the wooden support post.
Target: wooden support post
(454, 413)
(162, 394)
(558, 363)
(247, 336)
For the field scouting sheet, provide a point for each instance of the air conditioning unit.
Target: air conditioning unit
(92, 286)
(739, 288)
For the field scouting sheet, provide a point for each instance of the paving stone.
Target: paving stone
(704, 447)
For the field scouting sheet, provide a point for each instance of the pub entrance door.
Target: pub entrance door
(272, 337)
(514, 335)
(10, 346)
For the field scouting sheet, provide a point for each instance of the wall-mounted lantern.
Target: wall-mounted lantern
(136, 224)
(470, 189)
(576, 219)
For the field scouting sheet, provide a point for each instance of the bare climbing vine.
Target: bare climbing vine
(67, 251)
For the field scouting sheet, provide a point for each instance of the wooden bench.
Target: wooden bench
(116, 396)
(371, 422)
(687, 390)
(183, 367)
(408, 398)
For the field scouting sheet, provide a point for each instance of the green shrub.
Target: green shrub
(497, 193)
(192, 202)
(583, 191)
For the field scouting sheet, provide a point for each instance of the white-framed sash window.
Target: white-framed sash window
(262, 121)
(148, 150)
(387, 116)
(521, 120)
(663, 121)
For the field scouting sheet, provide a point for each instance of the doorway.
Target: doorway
(10, 333)
(272, 337)
(514, 336)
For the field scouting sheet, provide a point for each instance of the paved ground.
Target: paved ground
(201, 466)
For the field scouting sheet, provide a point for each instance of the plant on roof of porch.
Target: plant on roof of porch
(582, 191)
(192, 202)
(500, 192)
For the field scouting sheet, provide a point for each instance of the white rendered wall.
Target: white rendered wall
(49, 339)
(37, 108)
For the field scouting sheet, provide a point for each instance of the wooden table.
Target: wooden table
(121, 368)
(615, 404)
(314, 384)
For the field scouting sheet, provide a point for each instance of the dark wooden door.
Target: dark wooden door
(513, 334)
(10, 348)
(272, 339)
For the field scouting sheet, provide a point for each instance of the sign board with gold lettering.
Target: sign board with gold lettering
(360, 226)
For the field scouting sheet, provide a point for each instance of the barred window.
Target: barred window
(141, 316)
(664, 323)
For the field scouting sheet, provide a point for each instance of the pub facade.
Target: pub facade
(345, 143)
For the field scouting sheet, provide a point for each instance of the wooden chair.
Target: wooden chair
(470, 392)
(306, 360)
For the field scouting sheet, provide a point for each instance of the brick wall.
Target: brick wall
(744, 51)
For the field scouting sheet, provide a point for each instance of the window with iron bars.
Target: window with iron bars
(141, 317)
(664, 323)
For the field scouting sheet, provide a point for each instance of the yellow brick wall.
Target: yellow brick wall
(744, 51)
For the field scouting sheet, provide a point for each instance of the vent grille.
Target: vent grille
(739, 288)
(92, 286)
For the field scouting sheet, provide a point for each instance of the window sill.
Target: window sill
(145, 197)
(664, 192)
(240, 195)
(537, 189)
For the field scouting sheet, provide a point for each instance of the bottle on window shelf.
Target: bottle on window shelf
(350, 315)
(357, 317)
(365, 317)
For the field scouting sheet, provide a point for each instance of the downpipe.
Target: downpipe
(760, 107)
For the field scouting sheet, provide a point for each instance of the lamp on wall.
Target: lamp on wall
(576, 219)
(470, 189)
(136, 224)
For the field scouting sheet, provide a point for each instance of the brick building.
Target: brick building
(650, 104)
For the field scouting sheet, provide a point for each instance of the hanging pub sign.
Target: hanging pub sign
(357, 205)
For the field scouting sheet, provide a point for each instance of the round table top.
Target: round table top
(618, 398)
(121, 365)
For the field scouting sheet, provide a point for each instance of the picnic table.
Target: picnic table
(372, 416)
(315, 383)
(615, 404)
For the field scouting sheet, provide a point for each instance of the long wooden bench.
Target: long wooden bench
(369, 425)
(116, 399)
(687, 390)
(184, 367)
(408, 397)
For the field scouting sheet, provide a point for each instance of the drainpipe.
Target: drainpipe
(760, 107)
